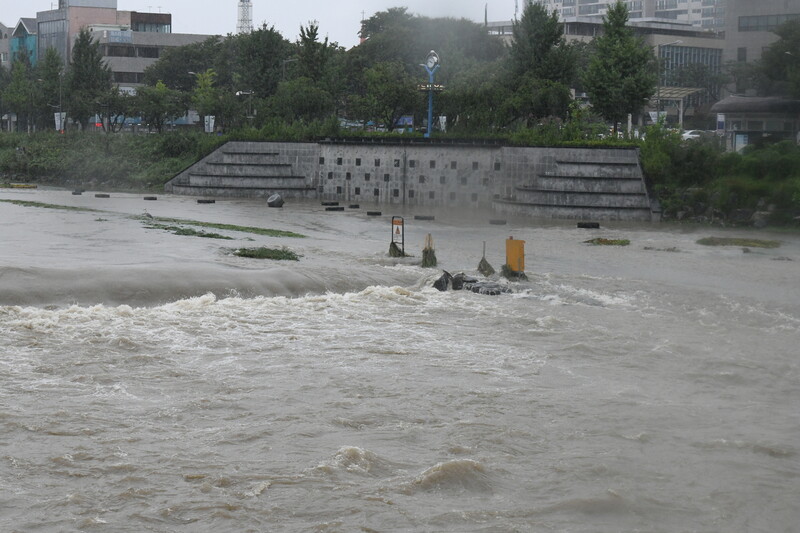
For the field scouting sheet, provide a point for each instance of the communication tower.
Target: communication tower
(245, 24)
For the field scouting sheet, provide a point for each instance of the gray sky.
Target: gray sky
(338, 19)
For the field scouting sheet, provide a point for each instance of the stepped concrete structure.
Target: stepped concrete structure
(564, 183)
(577, 183)
(244, 169)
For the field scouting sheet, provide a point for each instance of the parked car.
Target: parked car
(691, 135)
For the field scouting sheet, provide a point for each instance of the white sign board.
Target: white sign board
(209, 123)
(61, 118)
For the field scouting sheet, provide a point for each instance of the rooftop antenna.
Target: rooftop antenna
(516, 9)
(245, 24)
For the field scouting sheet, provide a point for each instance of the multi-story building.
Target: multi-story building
(708, 14)
(5, 46)
(23, 40)
(130, 41)
(677, 44)
(750, 25)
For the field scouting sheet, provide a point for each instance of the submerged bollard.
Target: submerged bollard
(428, 254)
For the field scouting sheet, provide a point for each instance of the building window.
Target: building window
(150, 52)
(475, 165)
(348, 176)
(497, 165)
(474, 197)
(321, 160)
(358, 191)
(432, 195)
(412, 163)
(358, 161)
(433, 164)
(339, 161)
(366, 176)
(376, 192)
(377, 162)
(411, 193)
(397, 163)
(741, 54)
(396, 193)
(452, 196)
(485, 182)
(442, 180)
(422, 179)
(330, 175)
(453, 165)
(338, 190)
(463, 181)
(386, 177)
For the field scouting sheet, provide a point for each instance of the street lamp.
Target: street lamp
(658, 81)
(431, 65)
(249, 95)
(283, 75)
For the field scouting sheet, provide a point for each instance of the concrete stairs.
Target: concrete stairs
(583, 188)
(241, 169)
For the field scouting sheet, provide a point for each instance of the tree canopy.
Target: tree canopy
(622, 76)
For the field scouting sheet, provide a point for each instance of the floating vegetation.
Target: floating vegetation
(228, 227)
(188, 232)
(276, 254)
(24, 203)
(599, 241)
(736, 241)
(670, 249)
(18, 186)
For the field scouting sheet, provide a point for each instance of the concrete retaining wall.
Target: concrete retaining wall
(572, 183)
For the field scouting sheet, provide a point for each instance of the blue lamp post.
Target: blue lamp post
(431, 66)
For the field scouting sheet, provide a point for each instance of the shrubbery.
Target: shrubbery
(695, 179)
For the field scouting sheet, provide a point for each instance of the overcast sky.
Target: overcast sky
(338, 19)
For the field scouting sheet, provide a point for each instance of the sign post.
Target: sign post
(398, 246)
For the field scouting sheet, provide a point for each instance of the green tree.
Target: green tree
(258, 58)
(176, 66)
(115, 107)
(391, 93)
(19, 92)
(5, 80)
(476, 100)
(206, 97)
(542, 66)
(781, 61)
(49, 74)
(621, 77)
(159, 104)
(538, 47)
(301, 99)
(89, 78)
(702, 76)
(312, 54)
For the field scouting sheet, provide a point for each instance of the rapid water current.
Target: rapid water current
(155, 382)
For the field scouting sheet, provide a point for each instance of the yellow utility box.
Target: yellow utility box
(515, 255)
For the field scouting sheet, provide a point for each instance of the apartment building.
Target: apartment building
(130, 41)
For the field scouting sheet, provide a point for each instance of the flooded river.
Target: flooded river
(156, 382)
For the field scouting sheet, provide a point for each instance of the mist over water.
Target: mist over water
(154, 382)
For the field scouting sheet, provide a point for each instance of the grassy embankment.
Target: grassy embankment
(694, 181)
